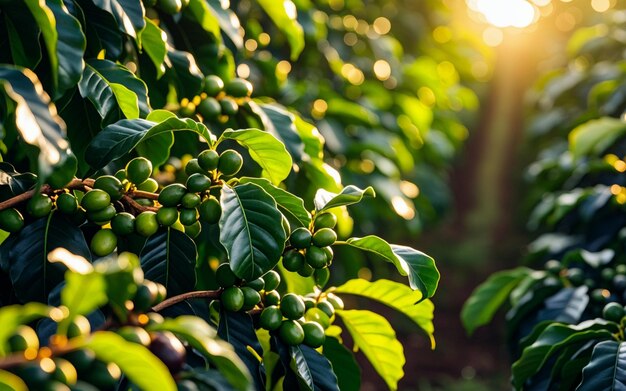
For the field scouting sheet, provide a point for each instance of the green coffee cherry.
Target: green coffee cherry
(23, 338)
(11, 220)
(103, 242)
(171, 195)
(190, 200)
(326, 307)
(192, 167)
(67, 203)
(313, 334)
(319, 316)
(325, 220)
(229, 106)
(197, 183)
(293, 260)
(213, 85)
(271, 318)
(150, 185)
(102, 216)
(225, 276)
(208, 159)
(210, 108)
(239, 88)
(257, 284)
(138, 170)
(324, 237)
(166, 216)
(271, 298)
(316, 257)
(40, 205)
(111, 185)
(95, 200)
(251, 298)
(188, 216)
(292, 306)
(146, 224)
(78, 327)
(300, 238)
(232, 299)
(210, 210)
(306, 270)
(291, 332)
(123, 223)
(272, 280)
(230, 162)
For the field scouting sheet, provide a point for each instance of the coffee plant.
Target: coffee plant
(565, 320)
(166, 226)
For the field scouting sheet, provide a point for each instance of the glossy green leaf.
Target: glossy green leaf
(228, 21)
(33, 277)
(289, 204)
(264, 149)
(169, 258)
(251, 230)
(11, 382)
(65, 42)
(23, 34)
(114, 91)
(13, 183)
(344, 365)
(284, 15)
(281, 124)
(15, 315)
(595, 136)
(118, 139)
(606, 369)
(83, 293)
(419, 267)
(351, 112)
(129, 14)
(154, 44)
(349, 195)
(35, 117)
(199, 10)
(237, 328)
(203, 338)
(137, 363)
(489, 296)
(374, 336)
(313, 369)
(397, 296)
(551, 340)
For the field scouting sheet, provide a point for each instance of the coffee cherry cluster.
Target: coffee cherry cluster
(310, 252)
(219, 100)
(239, 295)
(180, 206)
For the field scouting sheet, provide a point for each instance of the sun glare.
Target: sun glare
(505, 13)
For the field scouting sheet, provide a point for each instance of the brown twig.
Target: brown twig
(186, 296)
(143, 194)
(130, 201)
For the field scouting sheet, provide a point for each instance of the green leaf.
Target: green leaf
(489, 296)
(13, 183)
(203, 338)
(352, 113)
(35, 117)
(374, 336)
(118, 139)
(11, 382)
(553, 338)
(137, 363)
(228, 20)
(266, 150)
(114, 91)
(237, 329)
(169, 258)
(65, 42)
(33, 277)
(154, 44)
(281, 124)
(290, 205)
(595, 136)
(83, 293)
(23, 34)
(313, 369)
(15, 315)
(606, 369)
(199, 10)
(344, 365)
(251, 230)
(349, 195)
(284, 15)
(128, 13)
(397, 296)
(419, 267)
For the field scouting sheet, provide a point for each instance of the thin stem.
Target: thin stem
(143, 194)
(186, 296)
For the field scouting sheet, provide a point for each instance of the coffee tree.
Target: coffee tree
(154, 235)
(565, 319)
